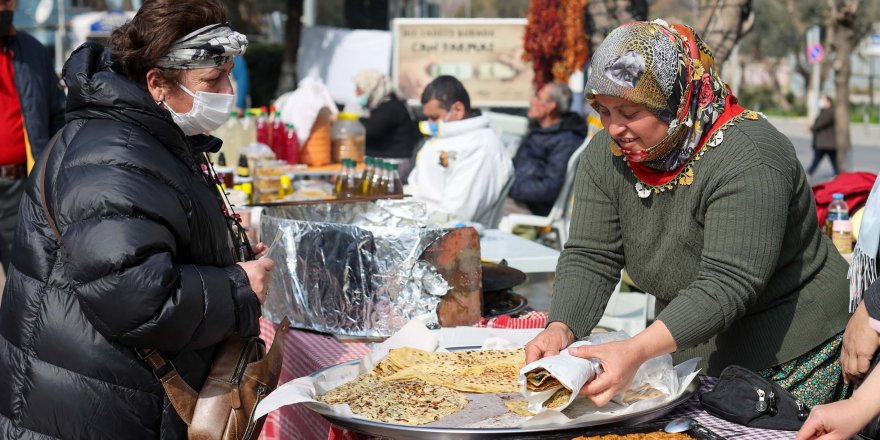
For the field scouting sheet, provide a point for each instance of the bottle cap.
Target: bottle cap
(221, 160)
(837, 196)
(346, 116)
(841, 226)
(285, 180)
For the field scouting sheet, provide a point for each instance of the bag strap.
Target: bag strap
(45, 160)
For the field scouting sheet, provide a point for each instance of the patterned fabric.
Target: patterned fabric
(815, 378)
(375, 84)
(210, 46)
(671, 71)
(533, 319)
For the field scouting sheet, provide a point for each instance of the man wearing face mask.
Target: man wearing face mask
(123, 241)
(31, 111)
(462, 170)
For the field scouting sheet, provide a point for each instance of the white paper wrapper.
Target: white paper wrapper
(571, 371)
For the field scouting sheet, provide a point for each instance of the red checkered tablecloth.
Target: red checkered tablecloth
(304, 353)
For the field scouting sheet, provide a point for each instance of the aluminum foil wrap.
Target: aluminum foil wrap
(352, 268)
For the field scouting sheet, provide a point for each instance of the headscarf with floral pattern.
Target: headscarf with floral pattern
(670, 70)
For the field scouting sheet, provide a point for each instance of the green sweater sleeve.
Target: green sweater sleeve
(744, 228)
(591, 262)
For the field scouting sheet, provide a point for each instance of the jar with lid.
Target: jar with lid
(348, 138)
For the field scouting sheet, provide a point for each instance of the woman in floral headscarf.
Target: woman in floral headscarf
(706, 206)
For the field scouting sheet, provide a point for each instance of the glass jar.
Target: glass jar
(349, 138)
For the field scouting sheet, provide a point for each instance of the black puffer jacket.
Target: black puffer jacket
(146, 261)
(541, 162)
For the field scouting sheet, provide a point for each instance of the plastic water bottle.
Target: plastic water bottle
(837, 210)
(290, 149)
(277, 137)
(262, 127)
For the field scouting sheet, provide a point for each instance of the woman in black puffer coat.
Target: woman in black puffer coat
(146, 258)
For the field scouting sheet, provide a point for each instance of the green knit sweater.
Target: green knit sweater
(740, 271)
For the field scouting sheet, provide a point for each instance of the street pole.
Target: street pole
(813, 37)
(59, 38)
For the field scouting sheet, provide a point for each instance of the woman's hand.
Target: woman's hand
(260, 250)
(839, 420)
(620, 361)
(860, 342)
(259, 272)
(549, 342)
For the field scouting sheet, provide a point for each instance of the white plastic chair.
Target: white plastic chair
(557, 219)
(496, 211)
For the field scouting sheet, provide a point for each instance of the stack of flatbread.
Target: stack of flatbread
(415, 387)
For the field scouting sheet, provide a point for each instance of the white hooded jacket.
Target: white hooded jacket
(462, 170)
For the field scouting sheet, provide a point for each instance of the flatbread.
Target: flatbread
(407, 402)
(643, 392)
(483, 371)
(349, 390)
(521, 407)
(540, 379)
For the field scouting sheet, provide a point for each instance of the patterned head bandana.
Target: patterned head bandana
(210, 46)
(669, 70)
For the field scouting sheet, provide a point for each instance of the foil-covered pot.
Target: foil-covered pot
(366, 268)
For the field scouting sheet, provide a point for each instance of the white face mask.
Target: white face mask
(209, 111)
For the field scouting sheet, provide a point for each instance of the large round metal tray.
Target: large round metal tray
(406, 432)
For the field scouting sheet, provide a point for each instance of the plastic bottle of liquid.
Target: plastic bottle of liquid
(376, 178)
(286, 187)
(841, 235)
(354, 179)
(224, 172)
(248, 129)
(278, 137)
(368, 174)
(837, 210)
(395, 185)
(342, 180)
(291, 145)
(262, 127)
(231, 136)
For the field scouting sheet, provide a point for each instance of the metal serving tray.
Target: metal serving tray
(407, 432)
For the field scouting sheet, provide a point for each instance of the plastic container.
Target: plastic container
(278, 137)
(349, 138)
(263, 128)
(837, 210)
(289, 145)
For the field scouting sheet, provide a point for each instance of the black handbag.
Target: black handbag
(744, 397)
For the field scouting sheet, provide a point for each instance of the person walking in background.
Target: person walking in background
(462, 169)
(31, 111)
(540, 164)
(124, 242)
(824, 136)
(392, 132)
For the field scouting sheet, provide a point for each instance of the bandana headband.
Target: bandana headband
(211, 46)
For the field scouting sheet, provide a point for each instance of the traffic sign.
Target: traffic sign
(815, 53)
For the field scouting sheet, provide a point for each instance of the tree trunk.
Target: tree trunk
(605, 15)
(292, 28)
(844, 40)
(723, 23)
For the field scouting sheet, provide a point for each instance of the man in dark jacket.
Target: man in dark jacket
(31, 111)
(540, 163)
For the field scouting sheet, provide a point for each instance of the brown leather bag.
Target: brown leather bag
(241, 375)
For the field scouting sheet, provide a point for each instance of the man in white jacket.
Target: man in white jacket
(463, 168)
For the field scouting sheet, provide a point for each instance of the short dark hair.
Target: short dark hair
(447, 90)
(138, 44)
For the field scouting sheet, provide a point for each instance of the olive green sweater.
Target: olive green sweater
(740, 271)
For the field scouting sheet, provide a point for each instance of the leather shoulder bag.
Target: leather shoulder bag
(242, 373)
